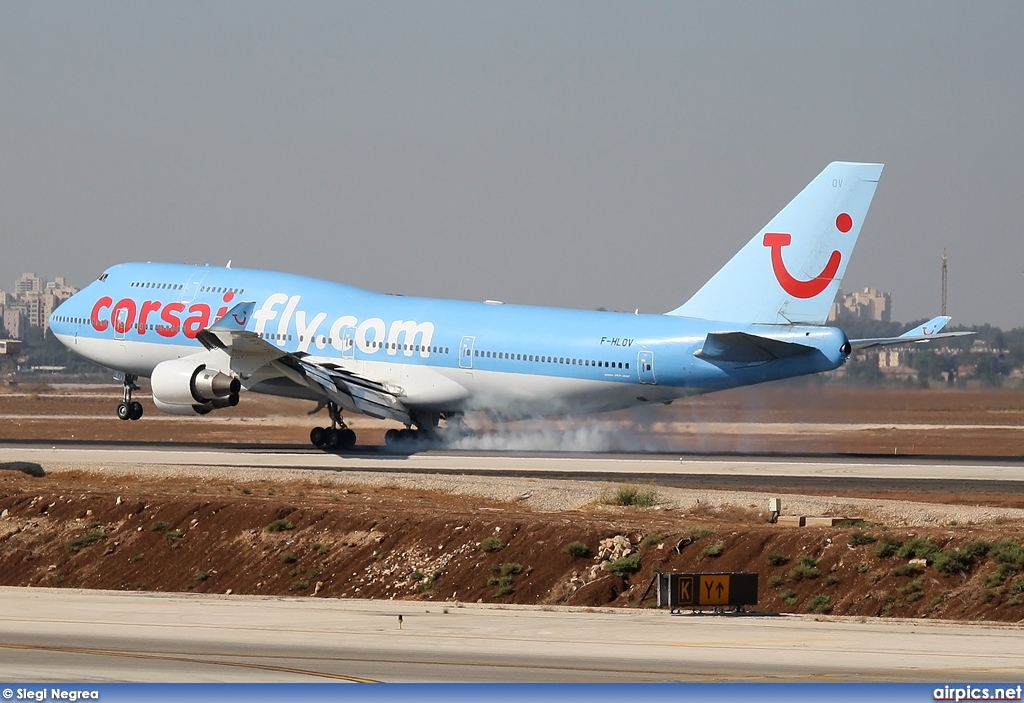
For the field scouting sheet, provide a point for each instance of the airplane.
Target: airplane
(203, 335)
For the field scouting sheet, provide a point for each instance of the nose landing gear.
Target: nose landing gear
(337, 436)
(129, 409)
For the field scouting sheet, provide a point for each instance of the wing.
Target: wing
(250, 353)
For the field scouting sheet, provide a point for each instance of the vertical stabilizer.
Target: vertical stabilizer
(790, 272)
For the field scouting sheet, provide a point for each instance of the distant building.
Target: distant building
(28, 283)
(15, 322)
(10, 347)
(871, 304)
(36, 299)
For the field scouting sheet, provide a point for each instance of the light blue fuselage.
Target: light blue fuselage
(444, 356)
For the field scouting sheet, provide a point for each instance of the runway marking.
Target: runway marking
(191, 660)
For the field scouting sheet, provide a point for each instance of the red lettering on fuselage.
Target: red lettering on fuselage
(98, 323)
(127, 314)
(147, 307)
(172, 323)
(199, 319)
(122, 323)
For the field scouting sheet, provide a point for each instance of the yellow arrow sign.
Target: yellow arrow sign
(714, 590)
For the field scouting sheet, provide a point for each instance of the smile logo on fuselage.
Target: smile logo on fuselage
(794, 286)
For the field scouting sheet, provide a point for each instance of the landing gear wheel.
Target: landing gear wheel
(318, 436)
(333, 439)
(129, 409)
(391, 437)
(337, 436)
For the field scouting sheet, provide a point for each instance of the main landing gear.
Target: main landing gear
(337, 436)
(129, 409)
(428, 433)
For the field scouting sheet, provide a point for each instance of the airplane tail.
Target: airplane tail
(790, 272)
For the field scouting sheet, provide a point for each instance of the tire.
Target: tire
(391, 438)
(124, 411)
(136, 410)
(332, 439)
(348, 439)
(318, 436)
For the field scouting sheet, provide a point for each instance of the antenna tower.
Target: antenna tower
(944, 259)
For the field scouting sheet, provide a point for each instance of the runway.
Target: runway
(61, 635)
(836, 472)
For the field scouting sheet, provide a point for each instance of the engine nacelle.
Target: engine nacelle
(186, 387)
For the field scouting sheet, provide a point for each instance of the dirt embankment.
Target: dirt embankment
(86, 531)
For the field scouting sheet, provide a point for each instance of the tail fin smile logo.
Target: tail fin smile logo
(794, 286)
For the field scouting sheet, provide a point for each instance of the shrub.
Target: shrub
(289, 558)
(84, 541)
(300, 585)
(1002, 572)
(1008, 553)
(801, 572)
(201, 576)
(789, 596)
(701, 532)
(831, 580)
(280, 525)
(511, 569)
(858, 539)
(807, 560)
(914, 596)
(160, 526)
(320, 548)
(912, 587)
(712, 550)
(918, 549)
(633, 496)
(577, 549)
(625, 566)
(492, 544)
(907, 570)
(775, 581)
(776, 559)
(173, 536)
(651, 540)
(977, 549)
(505, 589)
(820, 603)
(887, 547)
(954, 561)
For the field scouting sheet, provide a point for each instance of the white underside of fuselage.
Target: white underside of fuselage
(423, 388)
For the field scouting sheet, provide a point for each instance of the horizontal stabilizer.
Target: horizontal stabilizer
(745, 347)
(922, 333)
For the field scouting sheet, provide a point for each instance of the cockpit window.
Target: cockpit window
(103, 277)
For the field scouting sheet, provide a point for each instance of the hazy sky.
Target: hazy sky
(580, 154)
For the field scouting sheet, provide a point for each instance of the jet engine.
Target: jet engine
(187, 387)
